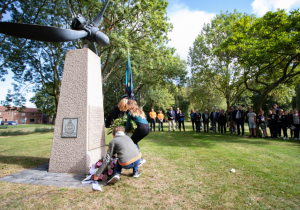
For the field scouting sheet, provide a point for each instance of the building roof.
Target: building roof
(31, 110)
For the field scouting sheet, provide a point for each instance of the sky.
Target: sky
(188, 17)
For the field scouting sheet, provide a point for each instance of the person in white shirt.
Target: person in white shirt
(252, 123)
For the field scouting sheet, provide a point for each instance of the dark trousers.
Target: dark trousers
(283, 126)
(240, 122)
(223, 125)
(206, 126)
(274, 129)
(219, 127)
(181, 123)
(152, 124)
(197, 126)
(279, 127)
(140, 132)
(193, 123)
(296, 131)
(160, 124)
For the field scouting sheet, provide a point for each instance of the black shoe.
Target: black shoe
(114, 179)
(136, 174)
(173, 130)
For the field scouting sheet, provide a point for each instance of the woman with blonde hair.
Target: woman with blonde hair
(139, 117)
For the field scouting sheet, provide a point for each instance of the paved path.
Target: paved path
(41, 176)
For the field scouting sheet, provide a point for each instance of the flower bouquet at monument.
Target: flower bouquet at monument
(122, 122)
(107, 173)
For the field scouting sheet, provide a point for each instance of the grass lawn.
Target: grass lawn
(25, 129)
(184, 170)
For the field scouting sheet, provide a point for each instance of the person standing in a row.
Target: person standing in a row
(152, 115)
(181, 121)
(285, 123)
(160, 117)
(177, 118)
(291, 123)
(232, 120)
(197, 117)
(274, 123)
(205, 117)
(239, 119)
(171, 118)
(214, 119)
(296, 123)
(192, 119)
(222, 120)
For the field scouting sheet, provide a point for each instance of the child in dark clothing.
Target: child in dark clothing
(284, 124)
(273, 123)
(261, 120)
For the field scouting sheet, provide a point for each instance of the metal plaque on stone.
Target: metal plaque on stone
(70, 127)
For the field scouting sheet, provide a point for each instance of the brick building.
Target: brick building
(27, 116)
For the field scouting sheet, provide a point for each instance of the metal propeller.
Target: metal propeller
(90, 33)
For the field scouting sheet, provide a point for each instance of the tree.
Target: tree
(268, 49)
(45, 103)
(216, 68)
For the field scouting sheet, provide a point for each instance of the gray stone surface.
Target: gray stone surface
(80, 97)
(41, 176)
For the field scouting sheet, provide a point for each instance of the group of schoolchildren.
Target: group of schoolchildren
(278, 121)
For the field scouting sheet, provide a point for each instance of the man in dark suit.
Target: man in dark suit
(171, 118)
(177, 118)
(214, 119)
(205, 117)
(231, 120)
(197, 117)
(239, 119)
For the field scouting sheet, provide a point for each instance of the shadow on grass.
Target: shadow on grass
(24, 161)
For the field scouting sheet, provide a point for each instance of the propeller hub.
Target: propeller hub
(78, 23)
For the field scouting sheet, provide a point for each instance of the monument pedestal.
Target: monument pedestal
(79, 134)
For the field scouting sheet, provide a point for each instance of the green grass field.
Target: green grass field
(184, 170)
(25, 129)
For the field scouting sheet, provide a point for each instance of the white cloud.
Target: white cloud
(187, 24)
(260, 7)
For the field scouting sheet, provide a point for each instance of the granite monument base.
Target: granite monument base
(79, 134)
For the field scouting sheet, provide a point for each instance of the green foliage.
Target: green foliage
(217, 69)
(268, 50)
(122, 122)
(183, 105)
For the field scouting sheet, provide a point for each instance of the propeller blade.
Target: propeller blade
(99, 16)
(101, 39)
(41, 33)
(92, 47)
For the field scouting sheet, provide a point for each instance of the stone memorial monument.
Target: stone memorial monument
(79, 135)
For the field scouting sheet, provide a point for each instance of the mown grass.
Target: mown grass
(184, 170)
(25, 129)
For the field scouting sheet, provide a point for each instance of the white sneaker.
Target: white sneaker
(284, 138)
(142, 161)
(287, 138)
(115, 178)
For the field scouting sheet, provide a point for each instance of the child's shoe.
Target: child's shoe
(114, 179)
(136, 174)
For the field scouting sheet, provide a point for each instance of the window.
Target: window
(23, 114)
(7, 112)
(15, 113)
(31, 120)
(32, 114)
(0, 113)
(22, 120)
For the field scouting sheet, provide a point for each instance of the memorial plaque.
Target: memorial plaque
(96, 127)
(70, 127)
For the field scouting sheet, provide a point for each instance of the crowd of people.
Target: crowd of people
(277, 120)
